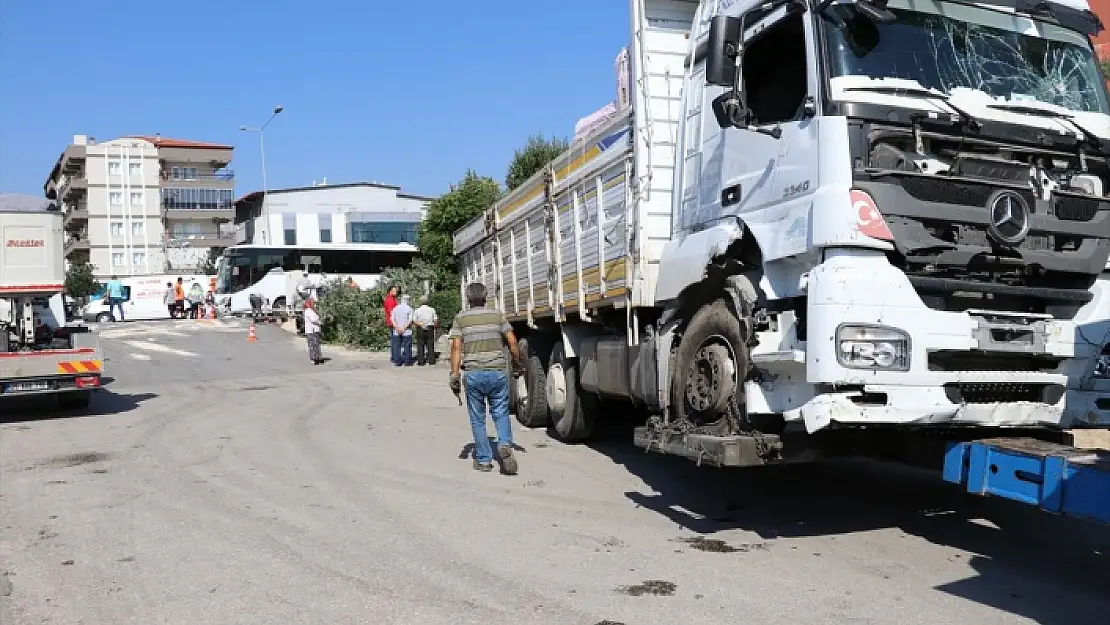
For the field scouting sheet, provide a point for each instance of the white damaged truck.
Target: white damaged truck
(821, 226)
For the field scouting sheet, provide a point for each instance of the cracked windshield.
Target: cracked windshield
(971, 48)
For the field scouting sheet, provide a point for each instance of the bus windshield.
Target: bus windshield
(240, 267)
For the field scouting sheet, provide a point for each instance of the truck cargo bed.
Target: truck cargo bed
(589, 229)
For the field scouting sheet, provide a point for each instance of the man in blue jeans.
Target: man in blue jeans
(478, 338)
(114, 290)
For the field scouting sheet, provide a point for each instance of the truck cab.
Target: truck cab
(913, 195)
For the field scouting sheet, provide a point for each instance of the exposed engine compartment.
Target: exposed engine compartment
(937, 193)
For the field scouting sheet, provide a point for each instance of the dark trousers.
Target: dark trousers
(314, 353)
(425, 346)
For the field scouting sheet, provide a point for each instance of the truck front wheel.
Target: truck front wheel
(710, 367)
(531, 387)
(572, 409)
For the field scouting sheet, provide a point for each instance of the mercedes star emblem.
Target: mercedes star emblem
(1009, 218)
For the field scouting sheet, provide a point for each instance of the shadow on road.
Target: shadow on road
(43, 408)
(1048, 569)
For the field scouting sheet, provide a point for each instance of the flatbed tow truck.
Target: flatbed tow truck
(39, 353)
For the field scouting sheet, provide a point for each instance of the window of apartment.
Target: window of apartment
(137, 198)
(325, 227)
(289, 225)
(135, 169)
(200, 199)
(137, 228)
(114, 167)
(115, 198)
(117, 228)
(183, 173)
(138, 258)
(117, 259)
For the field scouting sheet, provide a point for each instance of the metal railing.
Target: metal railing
(224, 175)
(200, 206)
(198, 237)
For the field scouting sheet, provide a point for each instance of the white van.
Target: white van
(145, 297)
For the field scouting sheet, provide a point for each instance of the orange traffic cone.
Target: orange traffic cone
(251, 336)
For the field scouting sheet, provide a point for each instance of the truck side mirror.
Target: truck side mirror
(722, 51)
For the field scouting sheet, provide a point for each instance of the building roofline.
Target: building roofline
(343, 185)
(169, 142)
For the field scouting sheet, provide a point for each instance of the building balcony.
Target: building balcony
(76, 217)
(76, 243)
(73, 185)
(208, 238)
(198, 210)
(223, 179)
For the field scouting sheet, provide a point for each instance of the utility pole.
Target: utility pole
(261, 130)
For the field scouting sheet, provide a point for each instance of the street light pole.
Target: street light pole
(261, 130)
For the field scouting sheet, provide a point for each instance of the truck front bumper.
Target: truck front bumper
(954, 368)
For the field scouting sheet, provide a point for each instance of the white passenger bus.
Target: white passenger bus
(243, 270)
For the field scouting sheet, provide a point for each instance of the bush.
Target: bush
(355, 318)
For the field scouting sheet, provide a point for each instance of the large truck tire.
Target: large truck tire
(74, 400)
(573, 410)
(710, 366)
(531, 405)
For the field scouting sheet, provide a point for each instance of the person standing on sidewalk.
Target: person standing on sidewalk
(426, 322)
(478, 338)
(115, 297)
(179, 298)
(312, 331)
(402, 329)
(387, 307)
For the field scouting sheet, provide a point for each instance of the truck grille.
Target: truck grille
(998, 392)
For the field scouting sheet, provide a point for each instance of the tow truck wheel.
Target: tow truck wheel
(531, 386)
(711, 365)
(74, 399)
(572, 410)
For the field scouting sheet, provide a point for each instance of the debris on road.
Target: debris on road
(657, 587)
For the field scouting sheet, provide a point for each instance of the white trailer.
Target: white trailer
(797, 233)
(39, 353)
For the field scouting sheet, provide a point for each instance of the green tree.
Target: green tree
(449, 212)
(535, 154)
(207, 266)
(81, 280)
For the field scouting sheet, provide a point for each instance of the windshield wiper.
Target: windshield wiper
(1088, 137)
(969, 122)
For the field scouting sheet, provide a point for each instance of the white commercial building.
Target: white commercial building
(357, 212)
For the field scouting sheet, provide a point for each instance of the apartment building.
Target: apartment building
(144, 204)
(356, 212)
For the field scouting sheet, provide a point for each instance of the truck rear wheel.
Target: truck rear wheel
(531, 387)
(710, 367)
(572, 410)
(74, 400)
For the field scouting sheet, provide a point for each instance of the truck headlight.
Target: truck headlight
(877, 348)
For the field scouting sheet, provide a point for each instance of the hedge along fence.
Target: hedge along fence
(354, 318)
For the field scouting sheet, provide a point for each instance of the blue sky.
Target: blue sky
(410, 94)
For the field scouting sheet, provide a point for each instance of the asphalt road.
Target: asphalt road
(222, 481)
